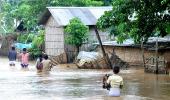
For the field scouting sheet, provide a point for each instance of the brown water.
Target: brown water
(76, 84)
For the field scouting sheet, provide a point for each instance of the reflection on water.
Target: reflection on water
(75, 84)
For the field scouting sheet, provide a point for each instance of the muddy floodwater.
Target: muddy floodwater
(78, 84)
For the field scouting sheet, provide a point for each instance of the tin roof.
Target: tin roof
(164, 43)
(128, 42)
(159, 39)
(62, 15)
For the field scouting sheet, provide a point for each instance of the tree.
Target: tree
(28, 11)
(76, 33)
(137, 19)
(6, 16)
(78, 3)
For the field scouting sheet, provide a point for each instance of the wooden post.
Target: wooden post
(107, 60)
(157, 56)
(143, 56)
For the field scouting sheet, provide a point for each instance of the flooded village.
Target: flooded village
(82, 50)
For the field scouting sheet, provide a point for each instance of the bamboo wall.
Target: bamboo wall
(165, 54)
(127, 54)
(133, 55)
(54, 38)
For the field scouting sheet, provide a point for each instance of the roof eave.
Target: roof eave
(44, 18)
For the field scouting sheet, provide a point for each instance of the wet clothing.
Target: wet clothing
(24, 65)
(115, 81)
(114, 92)
(38, 62)
(24, 58)
(12, 63)
(12, 55)
(46, 66)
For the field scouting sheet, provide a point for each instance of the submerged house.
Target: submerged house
(55, 19)
(132, 53)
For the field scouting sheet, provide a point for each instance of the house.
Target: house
(132, 53)
(55, 19)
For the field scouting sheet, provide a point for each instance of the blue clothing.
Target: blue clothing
(24, 65)
(12, 55)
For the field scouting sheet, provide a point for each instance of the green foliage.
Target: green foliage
(22, 38)
(168, 28)
(77, 3)
(30, 38)
(34, 52)
(37, 44)
(6, 17)
(37, 41)
(29, 11)
(136, 19)
(76, 32)
(25, 37)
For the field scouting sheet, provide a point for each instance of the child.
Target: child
(24, 56)
(12, 55)
(39, 65)
(116, 82)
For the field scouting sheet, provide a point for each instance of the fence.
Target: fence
(150, 65)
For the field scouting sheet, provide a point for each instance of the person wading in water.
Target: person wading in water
(12, 55)
(24, 57)
(46, 65)
(116, 82)
(39, 64)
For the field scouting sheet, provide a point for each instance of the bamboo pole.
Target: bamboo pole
(143, 56)
(157, 55)
(107, 60)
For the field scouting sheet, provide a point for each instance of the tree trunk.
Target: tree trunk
(143, 56)
(107, 60)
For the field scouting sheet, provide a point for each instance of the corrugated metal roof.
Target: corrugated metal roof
(128, 42)
(62, 15)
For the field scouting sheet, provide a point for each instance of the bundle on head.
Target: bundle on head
(105, 84)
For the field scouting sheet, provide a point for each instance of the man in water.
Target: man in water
(12, 55)
(116, 82)
(46, 65)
